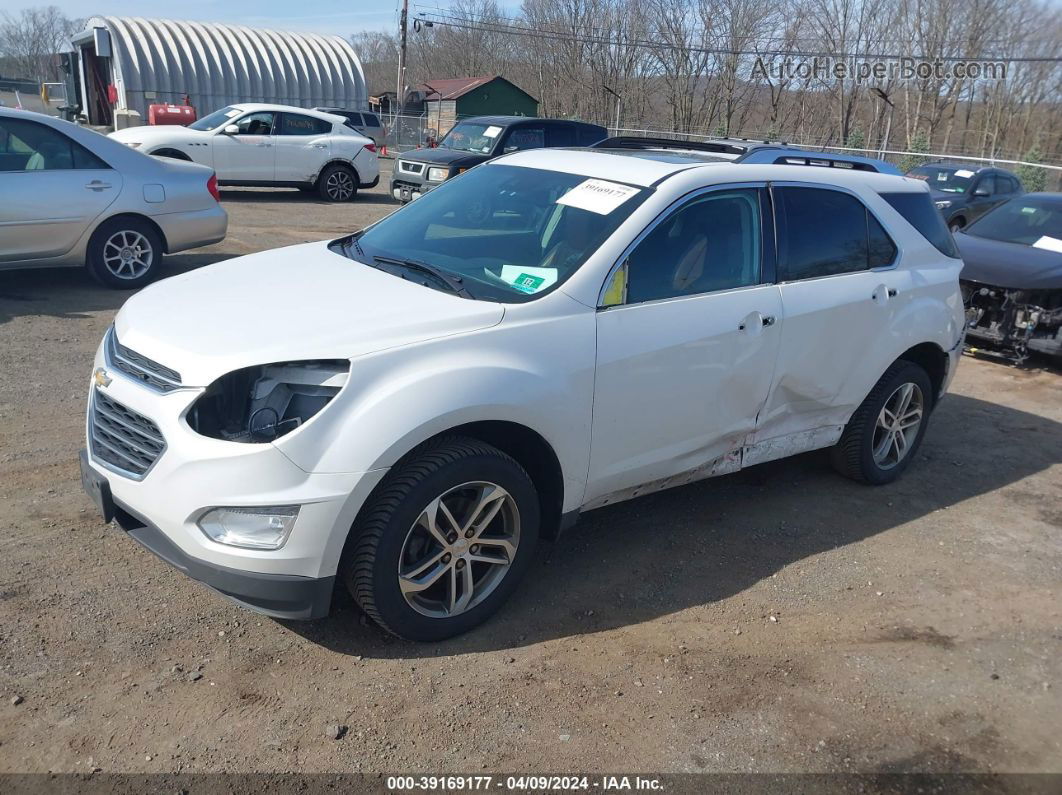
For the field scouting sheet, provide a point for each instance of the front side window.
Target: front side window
(987, 185)
(29, 146)
(827, 233)
(525, 138)
(256, 124)
(509, 234)
(294, 124)
(711, 243)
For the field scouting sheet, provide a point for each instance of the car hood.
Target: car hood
(153, 134)
(289, 304)
(1012, 265)
(443, 157)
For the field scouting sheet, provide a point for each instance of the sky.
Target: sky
(315, 16)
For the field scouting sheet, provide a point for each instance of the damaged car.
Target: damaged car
(1012, 278)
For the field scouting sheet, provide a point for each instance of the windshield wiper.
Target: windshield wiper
(453, 283)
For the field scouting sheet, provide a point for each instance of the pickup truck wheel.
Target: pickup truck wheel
(884, 434)
(337, 183)
(445, 541)
(124, 253)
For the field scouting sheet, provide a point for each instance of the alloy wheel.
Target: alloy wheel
(340, 185)
(897, 427)
(459, 549)
(128, 254)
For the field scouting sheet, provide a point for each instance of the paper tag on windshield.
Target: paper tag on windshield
(529, 280)
(962, 172)
(491, 132)
(233, 112)
(1050, 243)
(597, 196)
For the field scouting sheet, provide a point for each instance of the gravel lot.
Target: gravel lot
(780, 619)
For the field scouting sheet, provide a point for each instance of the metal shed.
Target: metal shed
(130, 63)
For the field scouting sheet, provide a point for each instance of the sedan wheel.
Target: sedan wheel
(337, 184)
(459, 549)
(128, 254)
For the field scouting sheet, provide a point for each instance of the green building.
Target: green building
(446, 101)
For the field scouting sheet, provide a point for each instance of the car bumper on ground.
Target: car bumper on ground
(193, 229)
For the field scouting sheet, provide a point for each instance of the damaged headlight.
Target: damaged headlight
(260, 404)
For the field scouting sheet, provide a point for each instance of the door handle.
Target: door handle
(765, 320)
(265, 144)
(892, 292)
(97, 185)
(318, 146)
(768, 320)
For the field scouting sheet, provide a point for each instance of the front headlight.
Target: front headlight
(943, 205)
(250, 528)
(133, 144)
(438, 174)
(260, 404)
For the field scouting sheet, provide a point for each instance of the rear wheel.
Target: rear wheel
(885, 432)
(124, 253)
(445, 541)
(337, 183)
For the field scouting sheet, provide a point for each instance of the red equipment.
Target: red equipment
(165, 113)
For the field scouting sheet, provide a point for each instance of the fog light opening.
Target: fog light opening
(249, 528)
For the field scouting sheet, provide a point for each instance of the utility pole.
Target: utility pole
(617, 96)
(401, 93)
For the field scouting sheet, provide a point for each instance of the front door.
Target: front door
(302, 147)
(249, 154)
(839, 292)
(686, 352)
(51, 190)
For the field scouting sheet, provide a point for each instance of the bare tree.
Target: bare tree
(30, 41)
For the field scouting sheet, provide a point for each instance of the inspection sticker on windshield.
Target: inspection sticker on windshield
(528, 280)
(1050, 243)
(597, 196)
(491, 132)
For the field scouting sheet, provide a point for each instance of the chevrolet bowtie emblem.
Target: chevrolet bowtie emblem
(101, 378)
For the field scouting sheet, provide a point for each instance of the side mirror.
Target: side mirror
(231, 129)
(509, 149)
(981, 192)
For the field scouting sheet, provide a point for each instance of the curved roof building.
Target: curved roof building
(159, 60)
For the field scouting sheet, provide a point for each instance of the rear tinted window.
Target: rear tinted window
(919, 212)
(371, 120)
(292, 124)
(590, 135)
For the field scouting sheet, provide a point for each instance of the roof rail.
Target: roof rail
(802, 157)
(635, 142)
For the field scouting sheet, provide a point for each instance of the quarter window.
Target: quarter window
(918, 210)
(29, 146)
(711, 243)
(827, 233)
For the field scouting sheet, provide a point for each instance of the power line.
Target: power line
(512, 30)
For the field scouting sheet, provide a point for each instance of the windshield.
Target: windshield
(471, 137)
(506, 233)
(216, 119)
(944, 178)
(1025, 220)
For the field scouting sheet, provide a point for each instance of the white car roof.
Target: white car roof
(646, 172)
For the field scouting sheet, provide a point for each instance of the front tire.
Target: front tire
(885, 432)
(337, 183)
(124, 253)
(445, 541)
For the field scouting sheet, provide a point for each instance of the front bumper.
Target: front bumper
(194, 473)
(193, 229)
(406, 190)
(278, 595)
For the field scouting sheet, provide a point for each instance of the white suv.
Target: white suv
(553, 331)
(269, 146)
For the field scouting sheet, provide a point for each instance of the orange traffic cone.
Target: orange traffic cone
(383, 150)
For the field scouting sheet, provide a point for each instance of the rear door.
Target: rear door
(303, 146)
(840, 290)
(686, 344)
(249, 155)
(52, 190)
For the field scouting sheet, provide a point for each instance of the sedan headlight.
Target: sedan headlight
(260, 404)
(250, 528)
(438, 174)
(943, 205)
(133, 144)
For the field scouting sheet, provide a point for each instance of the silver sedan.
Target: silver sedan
(70, 196)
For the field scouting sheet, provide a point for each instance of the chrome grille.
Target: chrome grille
(121, 439)
(410, 168)
(151, 373)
